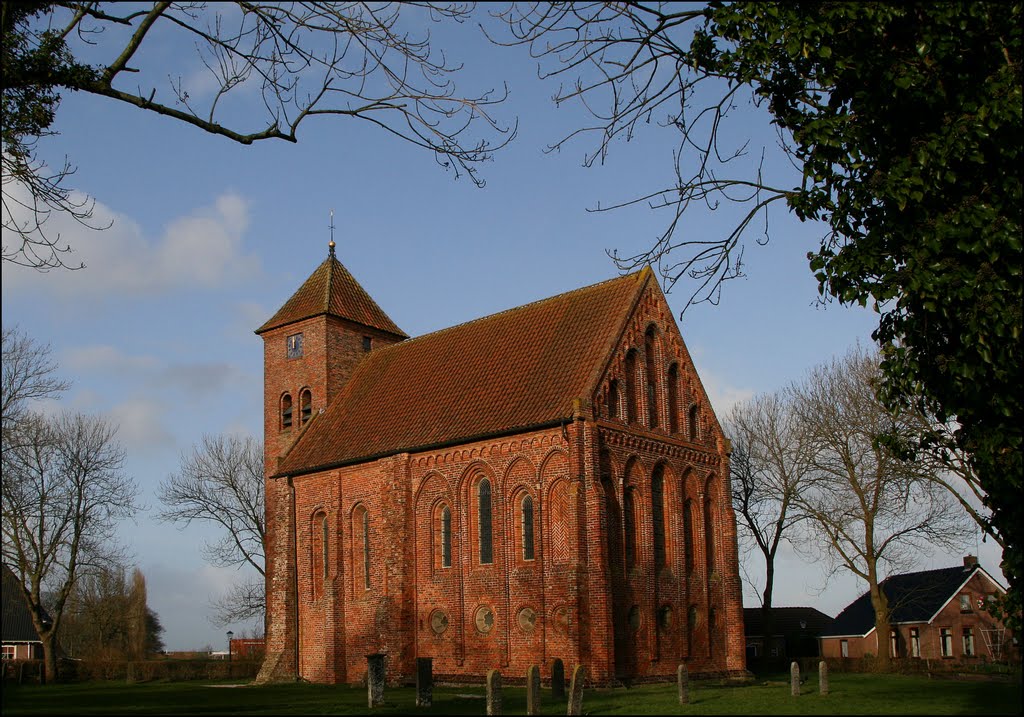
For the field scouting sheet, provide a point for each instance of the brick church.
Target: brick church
(546, 482)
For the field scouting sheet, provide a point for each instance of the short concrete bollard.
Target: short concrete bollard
(683, 677)
(794, 679)
(533, 690)
(424, 681)
(823, 677)
(375, 680)
(576, 691)
(493, 692)
(557, 679)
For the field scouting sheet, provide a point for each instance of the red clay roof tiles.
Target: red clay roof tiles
(512, 370)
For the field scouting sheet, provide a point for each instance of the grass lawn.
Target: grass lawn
(850, 694)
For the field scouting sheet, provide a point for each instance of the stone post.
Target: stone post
(683, 677)
(375, 680)
(493, 692)
(557, 679)
(533, 690)
(424, 681)
(576, 691)
(823, 677)
(794, 679)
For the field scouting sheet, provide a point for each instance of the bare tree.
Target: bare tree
(769, 465)
(871, 512)
(63, 496)
(268, 68)
(28, 375)
(221, 482)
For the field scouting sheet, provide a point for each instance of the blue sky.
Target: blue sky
(209, 238)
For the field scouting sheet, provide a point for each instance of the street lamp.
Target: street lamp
(230, 635)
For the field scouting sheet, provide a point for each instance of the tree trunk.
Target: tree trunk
(881, 606)
(767, 621)
(49, 640)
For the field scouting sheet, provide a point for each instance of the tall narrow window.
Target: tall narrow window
(709, 534)
(629, 527)
(318, 549)
(613, 399)
(894, 643)
(650, 376)
(694, 426)
(658, 516)
(968, 642)
(446, 537)
(915, 642)
(286, 411)
(631, 386)
(946, 642)
(844, 648)
(367, 343)
(673, 398)
(361, 547)
(688, 536)
(484, 514)
(527, 519)
(306, 404)
(366, 548)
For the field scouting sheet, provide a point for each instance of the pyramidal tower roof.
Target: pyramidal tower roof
(332, 290)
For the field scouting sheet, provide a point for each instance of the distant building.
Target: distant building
(794, 632)
(546, 482)
(20, 639)
(935, 615)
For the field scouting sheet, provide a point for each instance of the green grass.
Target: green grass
(850, 694)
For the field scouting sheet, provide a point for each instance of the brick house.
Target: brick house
(935, 615)
(19, 636)
(546, 482)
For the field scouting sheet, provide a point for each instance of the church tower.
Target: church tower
(311, 346)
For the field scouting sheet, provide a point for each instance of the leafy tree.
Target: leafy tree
(272, 66)
(903, 122)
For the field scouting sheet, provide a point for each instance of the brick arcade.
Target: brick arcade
(547, 482)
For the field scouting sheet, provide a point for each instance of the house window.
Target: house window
(367, 343)
(286, 411)
(658, 516)
(946, 642)
(306, 405)
(8, 652)
(631, 386)
(894, 644)
(968, 642)
(629, 527)
(650, 377)
(446, 537)
(527, 521)
(293, 346)
(613, 399)
(484, 522)
(965, 602)
(673, 398)
(844, 648)
(915, 642)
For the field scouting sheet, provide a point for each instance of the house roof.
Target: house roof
(332, 290)
(787, 621)
(503, 373)
(913, 597)
(17, 620)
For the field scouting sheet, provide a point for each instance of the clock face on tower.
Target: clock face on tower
(294, 346)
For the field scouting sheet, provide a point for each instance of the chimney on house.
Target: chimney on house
(970, 561)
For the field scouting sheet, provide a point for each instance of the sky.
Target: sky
(208, 238)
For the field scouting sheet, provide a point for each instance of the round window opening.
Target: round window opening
(484, 619)
(438, 622)
(634, 617)
(527, 619)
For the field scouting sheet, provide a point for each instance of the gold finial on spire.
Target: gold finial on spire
(330, 245)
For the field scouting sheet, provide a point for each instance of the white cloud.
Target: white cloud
(106, 358)
(202, 248)
(141, 424)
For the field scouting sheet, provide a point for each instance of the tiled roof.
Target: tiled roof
(17, 620)
(332, 290)
(513, 370)
(913, 597)
(787, 621)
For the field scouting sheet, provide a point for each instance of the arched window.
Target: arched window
(631, 378)
(688, 539)
(286, 411)
(527, 522)
(709, 534)
(361, 545)
(484, 522)
(446, 537)
(613, 399)
(306, 405)
(673, 398)
(629, 523)
(658, 516)
(651, 378)
(694, 423)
